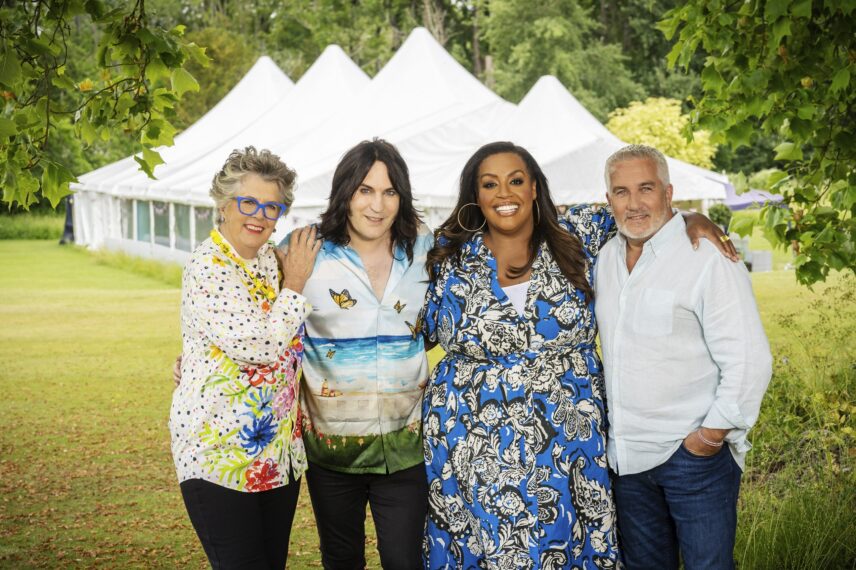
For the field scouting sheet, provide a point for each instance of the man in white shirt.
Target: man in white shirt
(686, 363)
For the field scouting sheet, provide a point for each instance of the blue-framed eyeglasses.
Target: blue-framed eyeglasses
(270, 210)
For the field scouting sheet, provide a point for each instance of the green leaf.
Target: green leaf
(788, 151)
(740, 133)
(836, 261)
(742, 226)
(757, 79)
(776, 178)
(840, 80)
(156, 70)
(197, 54)
(87, 130)
(149, 161)
(780, 29)
(711, 78)
(775, 8)
(63, 82)
(183, 82)
(806, 111)
(741, 184)
(801, 9)
(55, 181)
(20, 189)
(669, 25)
(7, 128)
(10, 68)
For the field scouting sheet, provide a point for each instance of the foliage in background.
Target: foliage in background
(720, 215)
(558, 38)
(231, 57)
(784, 68)
(140, 78)
(631, 25)
(658, 122)
(757, 155)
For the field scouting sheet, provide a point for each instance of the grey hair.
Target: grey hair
(263, 163)
(636, 151)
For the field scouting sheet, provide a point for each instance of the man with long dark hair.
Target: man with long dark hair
(365, 362)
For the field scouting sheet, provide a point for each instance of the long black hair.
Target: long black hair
(350, 173)
(566, 248)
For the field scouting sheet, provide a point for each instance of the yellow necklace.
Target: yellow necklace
(256, 286)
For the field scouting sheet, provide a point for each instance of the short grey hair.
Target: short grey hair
(636, 151)
(263, 163)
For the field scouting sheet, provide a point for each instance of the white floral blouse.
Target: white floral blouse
(234, 418)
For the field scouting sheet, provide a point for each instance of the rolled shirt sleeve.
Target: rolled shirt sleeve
(738, 345)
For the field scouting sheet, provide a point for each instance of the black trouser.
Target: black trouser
(399, 502)
(242, 530)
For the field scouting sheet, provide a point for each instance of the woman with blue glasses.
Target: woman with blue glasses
(236, 438)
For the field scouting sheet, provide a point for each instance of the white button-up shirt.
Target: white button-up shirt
(683, 347)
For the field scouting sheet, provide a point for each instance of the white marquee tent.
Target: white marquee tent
(423, 101)
(572, 146)
(119, 207)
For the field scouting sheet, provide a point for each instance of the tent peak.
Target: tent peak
(264, 64)
(334, 60)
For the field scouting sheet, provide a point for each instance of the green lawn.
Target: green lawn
(85, 469)
(86, 473)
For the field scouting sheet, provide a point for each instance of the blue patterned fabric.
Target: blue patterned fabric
(514, 419)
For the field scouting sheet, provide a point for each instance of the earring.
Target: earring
(537, 213)
(462, 225)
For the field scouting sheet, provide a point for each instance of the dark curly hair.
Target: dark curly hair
(565, 247)
(350, 173)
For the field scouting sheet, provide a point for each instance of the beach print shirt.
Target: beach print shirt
(363, 362)
(234, 418)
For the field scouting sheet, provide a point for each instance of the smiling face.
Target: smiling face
(506, 193)
(373, 207)
(248, 233)
(640, 203)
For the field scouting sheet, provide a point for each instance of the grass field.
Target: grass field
(86, 474)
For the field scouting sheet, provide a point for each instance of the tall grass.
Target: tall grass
(166, 273)
(798, 504)
(32, 225)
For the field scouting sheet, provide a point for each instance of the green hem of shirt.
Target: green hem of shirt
(366, 454)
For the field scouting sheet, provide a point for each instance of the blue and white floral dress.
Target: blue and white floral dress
(514, 419)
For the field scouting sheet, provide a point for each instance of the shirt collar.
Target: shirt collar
(665, 236)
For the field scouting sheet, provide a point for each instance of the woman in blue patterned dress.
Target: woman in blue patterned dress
(514, 416)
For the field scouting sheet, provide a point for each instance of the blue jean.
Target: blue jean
(687, 505)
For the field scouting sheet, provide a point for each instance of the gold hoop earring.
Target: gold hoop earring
(462, 225)
(537, 213)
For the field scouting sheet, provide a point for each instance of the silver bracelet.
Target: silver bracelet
(707, 441)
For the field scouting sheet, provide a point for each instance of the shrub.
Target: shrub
(720, 214)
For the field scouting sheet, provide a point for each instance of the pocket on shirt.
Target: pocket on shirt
(655, 312)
